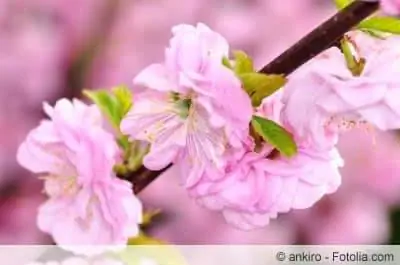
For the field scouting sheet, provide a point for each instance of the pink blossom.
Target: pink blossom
(45, 147)
(189, 58)
(173, 135)
(371, 97)
(255, 189)
(391, 7)
(301, 114)
(197, 105)
(364, 44)
(192, 52)
(271, 107)
(167, 194)
(87, 204)
(324, 98)
(193, 67)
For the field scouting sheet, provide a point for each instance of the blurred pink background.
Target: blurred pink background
(53, 49)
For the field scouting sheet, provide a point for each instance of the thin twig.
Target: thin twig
(321, 38)
(307, 48)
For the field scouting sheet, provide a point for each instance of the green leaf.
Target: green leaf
(260, 86)
(107, 103)
(340, 4)
(382, 24)
(243, 63)
(376, 34)
(113, 104)
(274, 134)
(124, 98)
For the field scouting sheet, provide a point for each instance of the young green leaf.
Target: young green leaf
(376, 34)
(260, 86)
(114, 104)
(124, 98)
(274, 134)
(382, 24)
(243, 63)
(107, 103)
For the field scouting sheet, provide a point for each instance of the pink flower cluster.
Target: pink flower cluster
(88, 205)
(196, 116)
(183, 116)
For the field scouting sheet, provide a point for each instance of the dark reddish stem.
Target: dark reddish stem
(321, 38)
(307, 48)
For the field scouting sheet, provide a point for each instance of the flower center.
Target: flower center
(182, 103)
(343, 124)
(184, 107)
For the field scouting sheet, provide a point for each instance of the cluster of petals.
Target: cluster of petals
(324, 98)
(87, 204)
(319, 102)
(194, 106)
(196, 115)
(255, 186)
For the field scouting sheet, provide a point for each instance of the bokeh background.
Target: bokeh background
(54, 48)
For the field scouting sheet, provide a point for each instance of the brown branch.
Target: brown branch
(143, 177)
(307, 48)
(321, 38)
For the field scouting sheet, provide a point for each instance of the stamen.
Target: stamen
(71, 186)
(55, 186)
(342, 124)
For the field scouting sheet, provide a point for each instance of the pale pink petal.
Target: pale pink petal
(151, 117)
(155, 77)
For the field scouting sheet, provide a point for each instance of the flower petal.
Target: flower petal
(155, 77)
